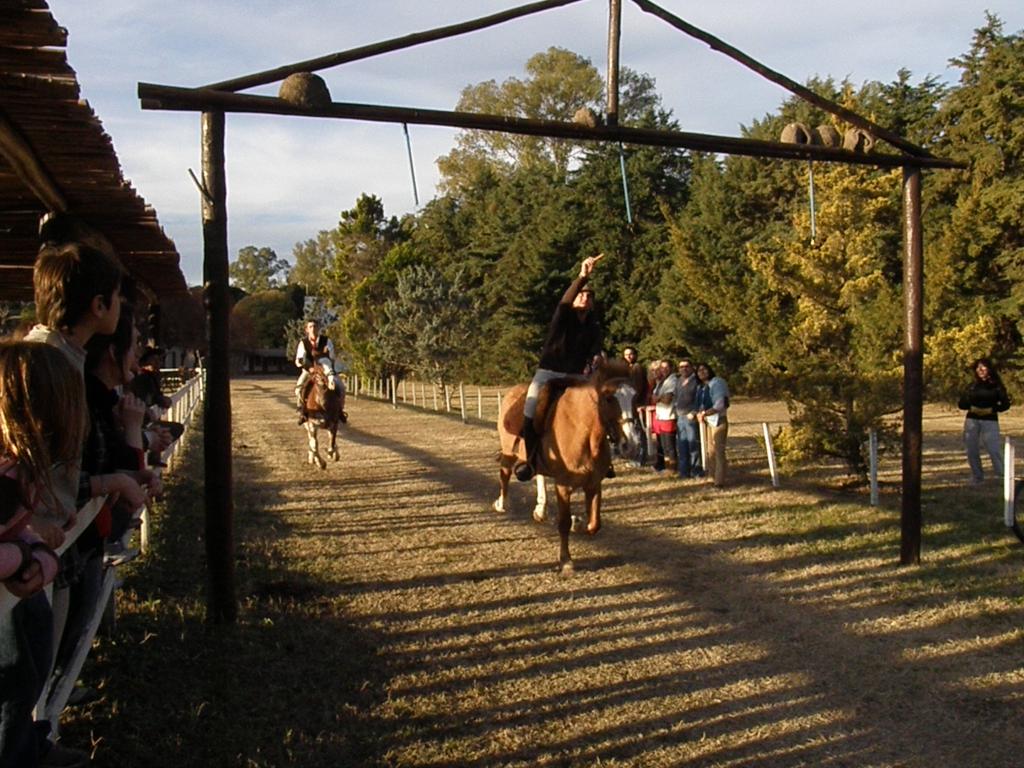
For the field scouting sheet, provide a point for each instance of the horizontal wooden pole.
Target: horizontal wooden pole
(165, 97)
(385, 46)
(779, 79)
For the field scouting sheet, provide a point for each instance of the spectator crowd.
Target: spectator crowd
(76, 425)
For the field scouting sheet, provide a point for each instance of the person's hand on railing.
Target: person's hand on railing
(159, 438)
(130, 413)
(30, 582)
(149, 480)
(51, 533)
(119, 485)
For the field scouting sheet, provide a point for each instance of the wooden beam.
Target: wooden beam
(195, 99)
(913, 367)
(386, 46)
(779, 79)
(17, 151)
(221, 603)
(614, 37)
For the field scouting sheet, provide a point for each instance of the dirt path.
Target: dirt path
(694, 632)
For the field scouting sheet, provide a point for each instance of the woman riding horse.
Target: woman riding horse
(572, 345)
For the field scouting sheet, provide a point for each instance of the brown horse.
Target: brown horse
(575, 451)
(323, 411)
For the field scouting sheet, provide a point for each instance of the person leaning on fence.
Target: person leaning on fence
(664, 425)
(42, 425)
(572, 344)
(714, 402)
(687, 429)
(146, 385)
(314, 348)
(638, 380)
(983, 400)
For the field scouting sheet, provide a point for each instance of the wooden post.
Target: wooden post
(462, 402)
(404, 399)
(394, 391)
(614, 35)
(221, 605)
(913, 366)
(479, 403)
(435, 397)
(873, 461)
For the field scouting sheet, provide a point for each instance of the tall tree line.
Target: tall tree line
(711, 257)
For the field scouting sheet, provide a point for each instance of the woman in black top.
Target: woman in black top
(984, 400)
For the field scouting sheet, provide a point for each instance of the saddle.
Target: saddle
(549, 394)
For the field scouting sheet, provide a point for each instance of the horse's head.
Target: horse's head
(322, 383)
(615, 406)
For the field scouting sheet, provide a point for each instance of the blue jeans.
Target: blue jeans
(26, 638)
(688, 447)
(978, 432)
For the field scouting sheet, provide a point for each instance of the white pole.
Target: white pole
(479, 403)
(704, 447)
(1009, 458)
(462, 402)
(435, 397)
(403, 392)
(873, 459)
(394, 391)
(771, 454)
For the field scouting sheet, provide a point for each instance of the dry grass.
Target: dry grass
(390, 618)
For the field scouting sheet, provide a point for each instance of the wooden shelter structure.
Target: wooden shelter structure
(217, 99)
(56, 158)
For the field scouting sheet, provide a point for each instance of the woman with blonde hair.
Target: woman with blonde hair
(42, 425)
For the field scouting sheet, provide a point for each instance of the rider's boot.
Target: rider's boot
(527, 469)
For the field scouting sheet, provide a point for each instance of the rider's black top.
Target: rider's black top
(572, 341)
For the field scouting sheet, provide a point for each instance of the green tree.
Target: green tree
(258, 269)
(265, 316)
(976, 258)
(428, 324)
(835, 338)
(558, 83)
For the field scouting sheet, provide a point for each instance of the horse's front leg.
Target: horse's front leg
(564, 494)
(593, 504)
(332, 452)
(504, 475)
(314, 449)
(540, 508)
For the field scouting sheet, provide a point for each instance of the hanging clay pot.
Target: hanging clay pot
(304, 89)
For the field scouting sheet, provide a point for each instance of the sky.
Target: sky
(288, 178)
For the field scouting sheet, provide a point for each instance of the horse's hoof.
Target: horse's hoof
(497, 506)
(578, 524)
(593, 531)
(540, 515)
(567, 568)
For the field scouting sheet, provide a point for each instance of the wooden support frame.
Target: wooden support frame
(216, 100)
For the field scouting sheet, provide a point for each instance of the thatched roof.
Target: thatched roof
(55, 156)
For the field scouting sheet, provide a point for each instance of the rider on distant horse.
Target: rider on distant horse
(314, 349)
(573, 342)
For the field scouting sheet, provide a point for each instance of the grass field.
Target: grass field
(388, 617)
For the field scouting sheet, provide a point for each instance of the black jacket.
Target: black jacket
(571, 343)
